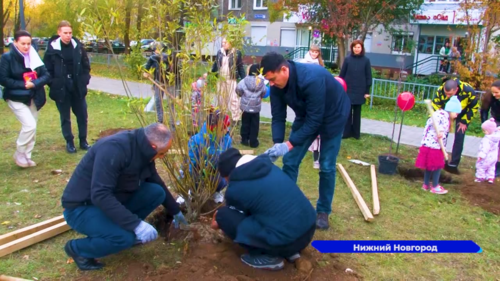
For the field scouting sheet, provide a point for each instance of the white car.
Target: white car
(7, 41)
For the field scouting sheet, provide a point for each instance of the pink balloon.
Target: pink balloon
(406, 101)
(342, 82)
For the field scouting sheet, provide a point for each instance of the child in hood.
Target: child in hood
(251, 90)
(196, 97)
(430, 156)
(488, 152)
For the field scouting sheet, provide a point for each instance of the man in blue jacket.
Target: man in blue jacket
(265, 212)
(321, 107)
(113, 189)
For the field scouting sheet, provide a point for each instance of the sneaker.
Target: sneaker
(316, 165)
(425, 187)
(263, 262)
(322, 221)
(218, 197)
(478, 180)
(491, 180)
(293, 258)
(21, 160)
(438, 190)
(31, 163)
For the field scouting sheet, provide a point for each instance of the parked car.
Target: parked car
(7, 41)
(146, 44)
(42, 43)
(101, 47)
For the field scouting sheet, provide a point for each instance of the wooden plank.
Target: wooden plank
(10, 278)
(243, 152)
(355, 193)
(6, 238)
(376, 202)
(33, 238)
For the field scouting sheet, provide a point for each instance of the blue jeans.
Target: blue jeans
(327, 161)
(105, 237)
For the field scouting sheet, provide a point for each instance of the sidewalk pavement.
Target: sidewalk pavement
(409, 136)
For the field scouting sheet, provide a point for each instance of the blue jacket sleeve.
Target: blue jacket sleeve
(315, 92)
(104, 180)
(278, 112)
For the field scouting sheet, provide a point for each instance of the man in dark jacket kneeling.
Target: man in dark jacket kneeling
(265, 211)
(113, 189)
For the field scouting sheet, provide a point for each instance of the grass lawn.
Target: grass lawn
(407, 213)
(113, 71)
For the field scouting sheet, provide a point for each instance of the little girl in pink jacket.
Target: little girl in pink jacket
(488, 152)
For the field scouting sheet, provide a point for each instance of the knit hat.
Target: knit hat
(228, 160)
(489, 126)
(213, 120)
(453, 105)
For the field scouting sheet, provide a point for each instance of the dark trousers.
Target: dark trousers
(79, 107)
(159, 105)
(327, 173)
(250, 128)
(104, 236)
(458, 146)
(353, 125)
(228, 220)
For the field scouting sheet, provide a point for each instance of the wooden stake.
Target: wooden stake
(243, 152)
(9, 278)
(376, 202)
(428, 103)
(33, 238)
(29, 230)
(355, 193)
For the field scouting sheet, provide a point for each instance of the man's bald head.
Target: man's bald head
(450, 88)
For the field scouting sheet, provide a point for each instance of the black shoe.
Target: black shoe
(451, 169)
(70, 147)
(346, 137)
(245, 142)
(254, 144)
(81, 262)
(497, 170)
(84, 145)
(322, 221)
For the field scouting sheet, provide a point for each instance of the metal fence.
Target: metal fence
(107, 59)
(390, 89)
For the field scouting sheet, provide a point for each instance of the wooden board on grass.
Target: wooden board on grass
(33, 238)
(355, 193)
(376, 202)
(6, 238)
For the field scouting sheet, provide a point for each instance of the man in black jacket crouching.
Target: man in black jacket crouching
(113, 189)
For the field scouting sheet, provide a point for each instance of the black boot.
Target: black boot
(84, 144)
(497, 170)
(70, 147)
(81, 262)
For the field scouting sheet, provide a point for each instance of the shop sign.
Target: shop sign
(438, 17)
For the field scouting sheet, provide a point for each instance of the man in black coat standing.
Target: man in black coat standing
(321, 107)
(112, 190)
(69, 67)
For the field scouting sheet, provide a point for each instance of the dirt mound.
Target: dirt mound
(484, 195)
(110, 132)
(413, 174)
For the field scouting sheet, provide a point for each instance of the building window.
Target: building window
(402, 43)
(234, 4)
(287, 37)
(426, 44)
(260, 4)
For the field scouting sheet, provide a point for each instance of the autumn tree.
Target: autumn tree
(479, 60)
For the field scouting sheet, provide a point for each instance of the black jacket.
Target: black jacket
(239, 71)
(53, 60)
(357, 74)
(277, 212)
(111, 172)
(155, 62)
(490, 104)
(319, 101)
(11, 78)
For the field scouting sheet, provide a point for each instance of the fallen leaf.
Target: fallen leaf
(18, 204)
(26, 257)
(5, 222)
(70, 260)
(57, 172)
(35, 181)
(348, 157)
(37, 216)
(348, 270)
(478, 219)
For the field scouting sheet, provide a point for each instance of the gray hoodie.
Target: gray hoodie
(251, 90)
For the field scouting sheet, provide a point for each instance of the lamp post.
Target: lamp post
(309, 42)
(21, 15)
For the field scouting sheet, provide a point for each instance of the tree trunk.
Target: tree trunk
(126, 36)
(1, 28)
(342, 50)
(139, 19)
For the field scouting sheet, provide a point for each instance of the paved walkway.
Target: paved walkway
(410, 135)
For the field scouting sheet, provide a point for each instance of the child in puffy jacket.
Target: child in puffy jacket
(487, 156)
(251, 90)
